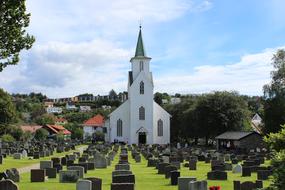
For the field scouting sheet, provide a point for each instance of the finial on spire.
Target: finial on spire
(140, 22)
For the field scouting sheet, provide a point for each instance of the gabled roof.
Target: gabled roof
(58, 129)
(96, 121)
(235, 135)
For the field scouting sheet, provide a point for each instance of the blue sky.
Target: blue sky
(196, 46)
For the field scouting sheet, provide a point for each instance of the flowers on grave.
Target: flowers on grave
(215, 188)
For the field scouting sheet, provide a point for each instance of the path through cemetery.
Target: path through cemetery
(37, 165)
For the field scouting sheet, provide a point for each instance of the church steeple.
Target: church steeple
(140, 48)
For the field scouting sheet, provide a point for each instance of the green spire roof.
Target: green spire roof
(140, 49)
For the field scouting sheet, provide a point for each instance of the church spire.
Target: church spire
(140, 49)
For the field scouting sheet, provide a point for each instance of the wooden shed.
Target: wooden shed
(233, 140)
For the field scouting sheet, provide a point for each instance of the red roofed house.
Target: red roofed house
(92, 125)
(29, 128)
(57, 129)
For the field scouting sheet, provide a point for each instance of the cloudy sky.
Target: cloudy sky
(196, 46)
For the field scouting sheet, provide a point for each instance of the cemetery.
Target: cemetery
(117, 167)
(206, 113)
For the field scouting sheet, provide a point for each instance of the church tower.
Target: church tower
(140, 90)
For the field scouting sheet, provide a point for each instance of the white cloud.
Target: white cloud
(67, 69)
(62, 20)
(246, 76)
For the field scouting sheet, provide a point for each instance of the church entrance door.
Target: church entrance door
(142, 138)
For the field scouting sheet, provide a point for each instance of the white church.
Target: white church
(139, 120)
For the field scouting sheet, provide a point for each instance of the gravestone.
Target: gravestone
(70, 176)
(263, 174)
(192, 165)
(161, 167)
(96, 183)
(38, 175)
(237, 169)
(8, 185)
(51, 172)
(80, 170)
(198, 185)
(247, 185)
(122, 186)
(217, 175)
(183, 182)
(13, 174)
(122, 167)
(46, 164)
(83, 184)
(123, 179)
(101, 162)
(169, 169)
(17, 156)
(246, 171)
(121, 172)
(174, 175)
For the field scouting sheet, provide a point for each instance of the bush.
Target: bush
(7, 138)
(276, 142)
(41, 134)
(99, 136)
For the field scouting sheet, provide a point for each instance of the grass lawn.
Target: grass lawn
(10, 162)
(146, 178)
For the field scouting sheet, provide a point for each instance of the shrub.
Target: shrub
(41, 134)
(7, 138)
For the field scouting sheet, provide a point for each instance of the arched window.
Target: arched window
(141, 87)
(119, 128)
(160, 128)
(141, 65)
(141, 113)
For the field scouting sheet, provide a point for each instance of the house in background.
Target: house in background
(53, 110)
(69, 106)
(256, 123)
(84, 108)
(57, 129)
(92, 125)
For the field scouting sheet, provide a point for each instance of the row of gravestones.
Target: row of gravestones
(219, 166)
(33, 150)
(122, 176)
(74, 173)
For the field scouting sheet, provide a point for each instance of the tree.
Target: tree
(7, 111)
(158, 98)
(45, 119)
(13, 36)
(17, 133)
(77, 133)
(216, 113)
(276, 142)
(274, 95)
(41, 134)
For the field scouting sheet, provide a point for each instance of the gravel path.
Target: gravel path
(37, 165)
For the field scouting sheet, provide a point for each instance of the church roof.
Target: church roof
(140, 48)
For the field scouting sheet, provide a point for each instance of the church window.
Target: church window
(160, 128)
(141, 65)
(119, 128)
(141, 87)
(141, 113)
